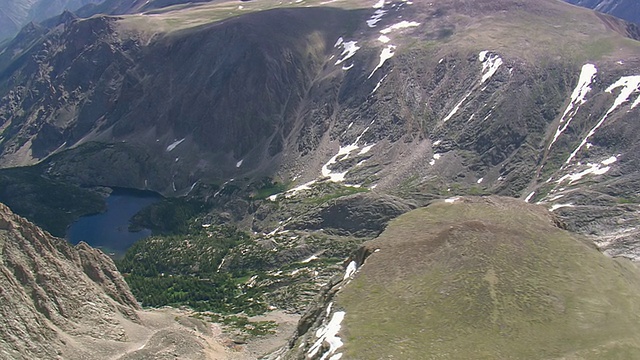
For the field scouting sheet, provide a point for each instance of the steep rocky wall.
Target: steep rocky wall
(50, 289)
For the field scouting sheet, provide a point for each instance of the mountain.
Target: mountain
(421, 100)
(14, 14)
(460, 280)
(624, 9)
(304, 127)
(61, 301)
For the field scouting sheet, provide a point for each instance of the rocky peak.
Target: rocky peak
(52, 290)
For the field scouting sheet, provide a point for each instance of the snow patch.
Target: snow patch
(452, 200)
(309, 259)
(556, 197)
(560, 206)
(239, 163)
(349, 49)
(480, 180)
(366, 149)
(587, 75)
(376, 18)
(530, 196)
(174, 144)
(379, 83)
(384, 39)
(379, 4)
(490, 64)
(609, 161)
(343, 153)
(387, 53)
(593, 169)
(456, 108)
(306, 186)
(401, 25)
(328, 334)
(351, 269)
(629, 85)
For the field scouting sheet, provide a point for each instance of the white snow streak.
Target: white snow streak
(343, 153)
(560, 206)
(366, 149)
(490, 64)
(610, 160)
(387, 53)
(384, 39)
(328, 333)
(401, 25)
(529, 197)
(379, 4)
(587, 75)
(349, 49)
(174, 145)
(456, 108)
(629, 85)
(379, 83)
(351, 269)
(376, 18)
(452, 200)
(306, 186)
(595, 169)
(239, 163)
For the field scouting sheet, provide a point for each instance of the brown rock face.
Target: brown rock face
(50, 290)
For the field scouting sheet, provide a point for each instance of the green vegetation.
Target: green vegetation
(489, 279)
(169, 216)
(181, 270)
(267, 188)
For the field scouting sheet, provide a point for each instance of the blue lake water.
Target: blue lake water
(109, 231)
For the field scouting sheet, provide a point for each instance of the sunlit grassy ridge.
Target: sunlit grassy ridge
(544, 30)
(492, 279)
(184, 17)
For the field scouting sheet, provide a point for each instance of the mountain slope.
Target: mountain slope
(60, 301)
(51, 289)
(624, 9)
(482, 278)
(419, 100)
(14, 14)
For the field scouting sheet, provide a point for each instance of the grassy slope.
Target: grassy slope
(539, 31)
(493, 281)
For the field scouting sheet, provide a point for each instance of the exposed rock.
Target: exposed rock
(361, 215)
(50, 288)
(60, 301)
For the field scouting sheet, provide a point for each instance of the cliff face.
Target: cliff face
(50, 290)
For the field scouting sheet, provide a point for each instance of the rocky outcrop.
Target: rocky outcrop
(51, 290)
(361, 215)
(16, 14)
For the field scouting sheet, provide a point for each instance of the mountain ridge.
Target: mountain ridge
(426, 87)
(459, 279)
